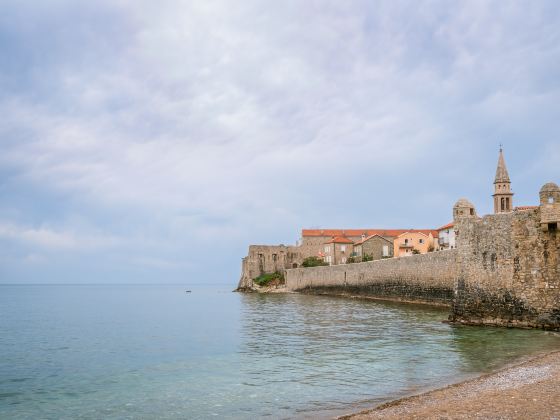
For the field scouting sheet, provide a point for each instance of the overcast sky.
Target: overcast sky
(147, 141)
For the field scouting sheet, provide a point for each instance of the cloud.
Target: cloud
(52, 239)
(178, 124)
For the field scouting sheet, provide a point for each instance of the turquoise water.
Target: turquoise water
(72, 352)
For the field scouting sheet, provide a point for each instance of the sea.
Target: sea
(201, 351)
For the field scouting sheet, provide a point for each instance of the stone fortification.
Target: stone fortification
(508, 271)
(427, 278)
(504, 271)
(267, 259)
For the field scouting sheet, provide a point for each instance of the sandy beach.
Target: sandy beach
(527, 390)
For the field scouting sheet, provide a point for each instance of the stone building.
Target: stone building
(313, 241)
(337, 250)
(267, 259)
(503, 197)
(375, 246)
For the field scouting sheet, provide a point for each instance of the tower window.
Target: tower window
(472, 214)
(550, 200)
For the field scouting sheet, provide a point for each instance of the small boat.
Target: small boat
(188, 291)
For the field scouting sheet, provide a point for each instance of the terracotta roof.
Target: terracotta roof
(357, 232)
(367, 238)
(339, 240)
(526, 207)
(425, 232)
(447, 226)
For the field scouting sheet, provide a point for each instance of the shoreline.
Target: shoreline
(528, 388)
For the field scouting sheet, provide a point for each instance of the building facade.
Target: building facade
(414, 242)
(337, 250)
(374, 247)
(446, 237)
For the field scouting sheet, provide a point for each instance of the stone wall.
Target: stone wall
(509, 271)
(427, 278)
(267, 259)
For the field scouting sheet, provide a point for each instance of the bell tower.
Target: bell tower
(503, 197)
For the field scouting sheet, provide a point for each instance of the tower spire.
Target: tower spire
(503, 196)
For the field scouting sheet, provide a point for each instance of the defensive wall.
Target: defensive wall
(425, 278)
(508, 271)
(267, 259)
(504, 271)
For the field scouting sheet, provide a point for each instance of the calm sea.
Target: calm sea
(142, 352)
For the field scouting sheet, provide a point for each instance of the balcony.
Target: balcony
(406, 245)
(443, 241)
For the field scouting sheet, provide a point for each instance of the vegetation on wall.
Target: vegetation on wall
(367, 257)
(313, 262)
(269, 279)
(415, 251)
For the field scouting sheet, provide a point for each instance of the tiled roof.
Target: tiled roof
(425, 232)
(526, 207)
(356, 232)
(339, 240)
(367, 238)
(447, 226)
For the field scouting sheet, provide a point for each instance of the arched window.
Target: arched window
(503, 204)
(507, 203)
(550, 200)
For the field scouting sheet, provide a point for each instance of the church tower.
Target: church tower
(503, 196)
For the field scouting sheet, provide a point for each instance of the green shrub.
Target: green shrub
(415, 251)
(350, 260)
(268, 278)
(313, 262)
(367, 257)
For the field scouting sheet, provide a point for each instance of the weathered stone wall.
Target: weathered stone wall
(428, 278)
(509, 272)
(267, 259)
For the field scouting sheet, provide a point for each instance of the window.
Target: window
(274, 257)
(421, 241)
(343, 248)
(343, 260)
(385, 250)
(550, 200)
(327, 249)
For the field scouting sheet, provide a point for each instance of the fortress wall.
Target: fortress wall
(267, 259)
(509, 272)
(426, 278)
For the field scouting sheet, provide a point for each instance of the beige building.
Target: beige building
(414, 242)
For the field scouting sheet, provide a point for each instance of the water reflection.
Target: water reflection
(327, 353)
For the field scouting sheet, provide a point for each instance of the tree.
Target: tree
(313, 262)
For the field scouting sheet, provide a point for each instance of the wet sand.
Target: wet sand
(527, 390)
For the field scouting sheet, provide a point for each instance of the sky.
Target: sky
(152, 142)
